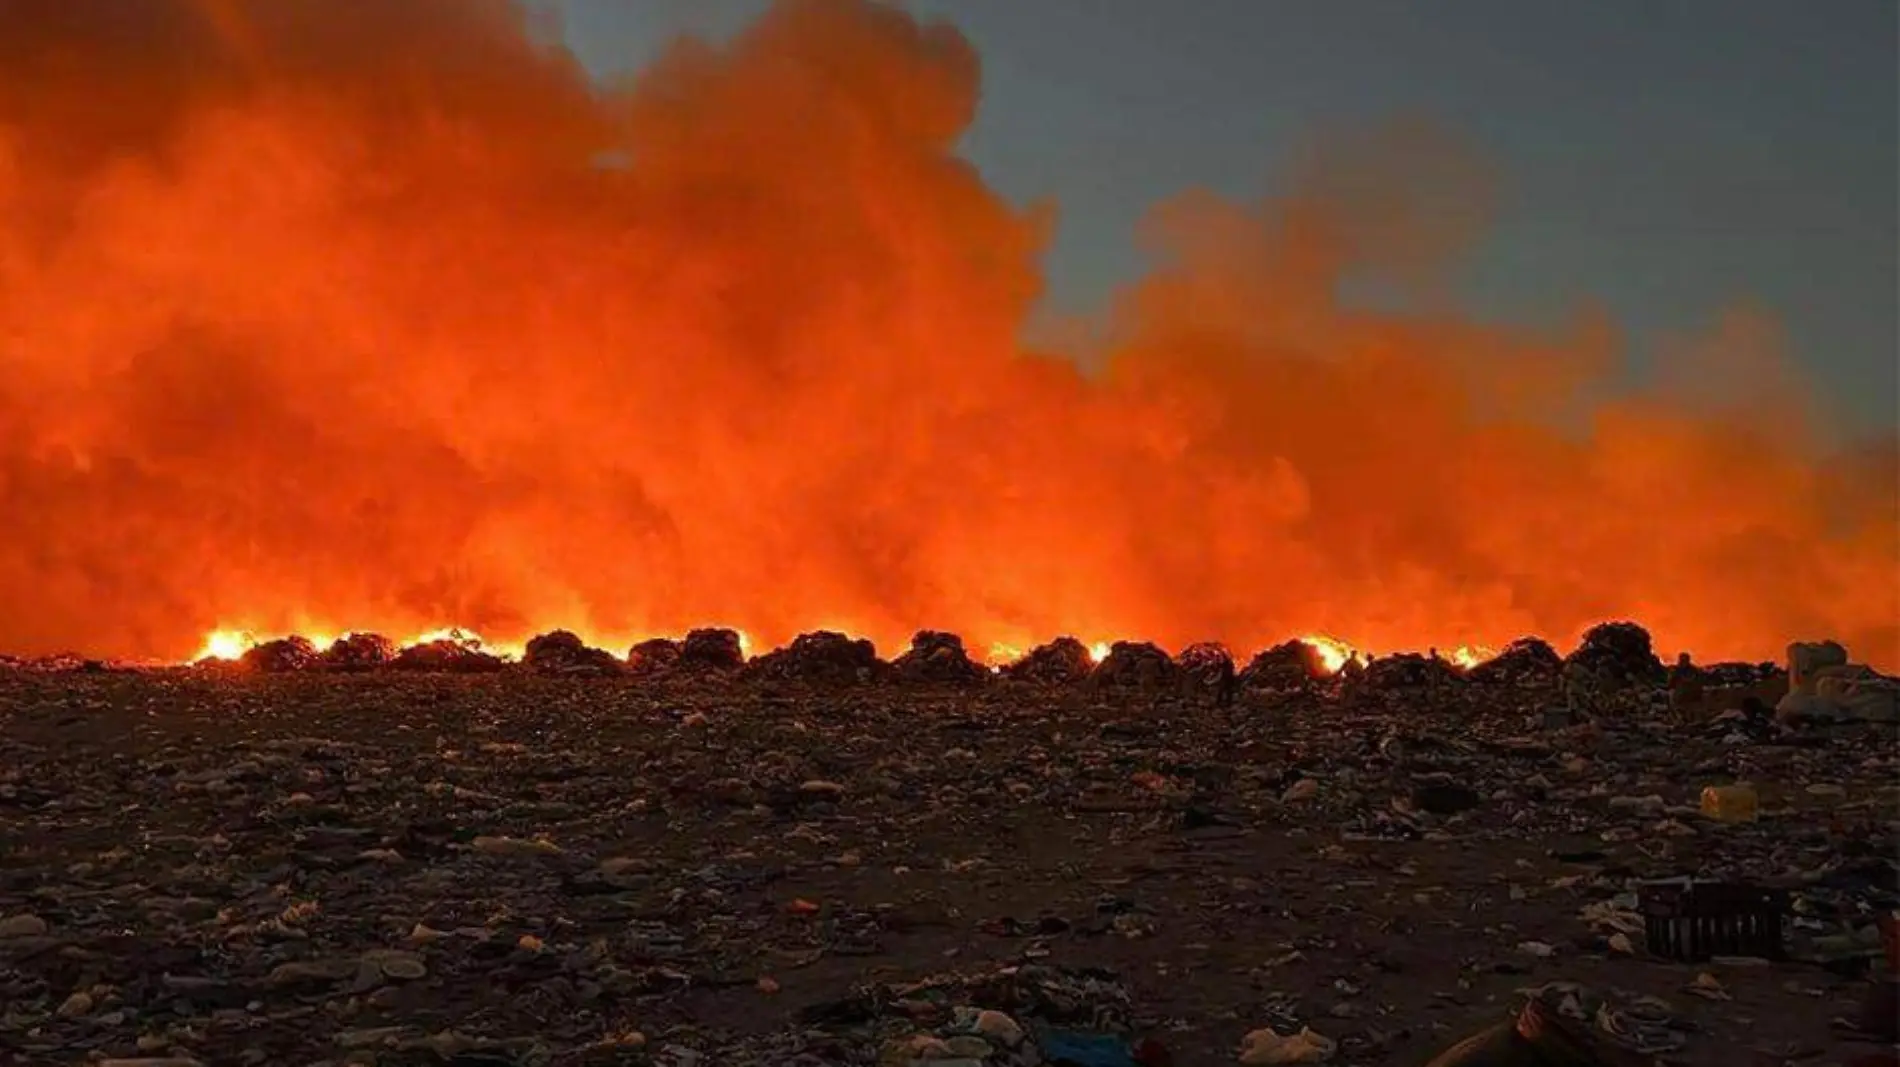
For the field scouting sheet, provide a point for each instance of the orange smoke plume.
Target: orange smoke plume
(331, 317)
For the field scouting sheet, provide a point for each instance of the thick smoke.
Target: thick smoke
(322, 315)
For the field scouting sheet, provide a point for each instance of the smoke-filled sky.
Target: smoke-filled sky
(395, 316)
(1663, 158)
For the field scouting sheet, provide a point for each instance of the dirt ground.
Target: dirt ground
(516, 869)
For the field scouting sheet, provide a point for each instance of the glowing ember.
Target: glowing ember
(1098, 651)
(1001, 654)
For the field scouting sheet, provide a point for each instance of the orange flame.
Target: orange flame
(326, 313)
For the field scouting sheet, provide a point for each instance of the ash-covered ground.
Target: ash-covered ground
(811, 862)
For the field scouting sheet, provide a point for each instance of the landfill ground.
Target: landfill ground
(504, 868)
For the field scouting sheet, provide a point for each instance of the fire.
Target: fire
(1333, 653)
(1466, 657)
(1003, 654)
(225, 645)
(1099, 651)
(302, 325)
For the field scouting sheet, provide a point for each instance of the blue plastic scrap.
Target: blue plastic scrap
(1077, 1048)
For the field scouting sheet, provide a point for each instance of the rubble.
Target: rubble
(562, 652)
(939, 659)
(431, 867)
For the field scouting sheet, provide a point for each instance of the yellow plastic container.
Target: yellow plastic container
(1731, 803)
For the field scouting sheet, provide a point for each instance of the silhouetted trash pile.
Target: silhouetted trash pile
(359, 652)
(937, 658)
(1291, 666)
(1619, 654)
(655, 655)
(1207, 673)
(1062, 662)
(1409, 670)
(454, 655)
(562, 652)
(282, 655)
(1524, 662)
(822, 657)
(711, 650)
(1135, 667)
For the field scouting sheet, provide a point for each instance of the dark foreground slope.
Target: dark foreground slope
(495, 869)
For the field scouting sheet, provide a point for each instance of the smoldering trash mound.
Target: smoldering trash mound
(520, 866)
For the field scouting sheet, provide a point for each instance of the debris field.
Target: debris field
(820, 857)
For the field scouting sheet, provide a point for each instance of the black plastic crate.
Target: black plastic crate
(1693, 921)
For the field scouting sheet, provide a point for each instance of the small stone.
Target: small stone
(1541, 949)
(78, 1004)
(768, 984)
(822, 789)
(23, 926)
(1304, 789)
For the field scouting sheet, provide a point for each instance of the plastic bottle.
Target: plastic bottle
(1731, 803)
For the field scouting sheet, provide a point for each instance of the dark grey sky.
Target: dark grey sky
(1664, 157)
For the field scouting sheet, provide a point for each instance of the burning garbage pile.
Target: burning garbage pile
(1613, 671)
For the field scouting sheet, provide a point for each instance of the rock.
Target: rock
(1266, 1047)
(74, 1006)
(22, 926)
